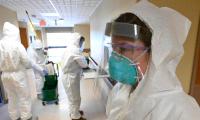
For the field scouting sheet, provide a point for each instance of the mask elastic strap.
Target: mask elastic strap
(139, 78)
(142, 75)
(136, 63)
(141, 55)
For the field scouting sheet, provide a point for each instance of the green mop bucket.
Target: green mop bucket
(50, 88)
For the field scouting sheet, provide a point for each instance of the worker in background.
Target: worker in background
(147, 47)
(37, 57)
(13, 64)
(73, 62)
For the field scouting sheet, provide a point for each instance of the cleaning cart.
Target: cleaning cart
(50, 89)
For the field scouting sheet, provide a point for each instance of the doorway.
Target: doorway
(57, 43)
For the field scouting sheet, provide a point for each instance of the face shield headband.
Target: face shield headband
(133, 31)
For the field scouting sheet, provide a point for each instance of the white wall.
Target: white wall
(7, 15)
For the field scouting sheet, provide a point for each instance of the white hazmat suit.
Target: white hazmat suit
(36, 55)
(159, 96)
(73, 62)
(13, 64)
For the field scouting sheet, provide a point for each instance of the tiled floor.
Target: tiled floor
(91, 105)
(4, 113)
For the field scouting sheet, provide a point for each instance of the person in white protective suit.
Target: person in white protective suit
(13, 64)
(37, 57)
(73, 62)
(148, 41)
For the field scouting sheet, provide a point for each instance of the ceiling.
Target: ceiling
(54, 12)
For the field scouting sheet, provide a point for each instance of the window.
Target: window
(57, 42)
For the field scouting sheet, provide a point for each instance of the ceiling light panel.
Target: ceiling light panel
(74, 10)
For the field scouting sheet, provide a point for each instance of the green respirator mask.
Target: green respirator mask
(122, 69)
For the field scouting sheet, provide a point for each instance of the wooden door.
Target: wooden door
(24, 38)
(195, 85)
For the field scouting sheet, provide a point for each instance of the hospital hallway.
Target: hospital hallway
(138, 59)
(91, 104)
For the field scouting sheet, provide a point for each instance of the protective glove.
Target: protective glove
(45, 72)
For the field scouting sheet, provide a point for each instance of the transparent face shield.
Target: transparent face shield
(134, 32)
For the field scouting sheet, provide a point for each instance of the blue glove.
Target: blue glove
(45, 72)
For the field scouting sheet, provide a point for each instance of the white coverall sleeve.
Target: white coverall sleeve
(36, 67)
(81, 61)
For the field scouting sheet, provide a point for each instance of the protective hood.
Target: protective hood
(159, 95)
(170, 30)
(10, 32)
(12, 52)
(75, 39)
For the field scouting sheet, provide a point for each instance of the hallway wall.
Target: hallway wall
(7, 15)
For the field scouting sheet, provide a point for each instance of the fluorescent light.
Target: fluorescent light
(54, 7)
(49, 14)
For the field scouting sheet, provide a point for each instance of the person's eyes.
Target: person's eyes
(122, 50)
